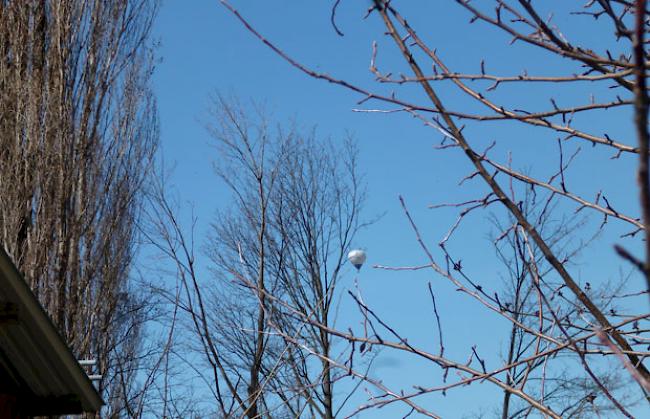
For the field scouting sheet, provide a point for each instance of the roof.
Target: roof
(35, 363)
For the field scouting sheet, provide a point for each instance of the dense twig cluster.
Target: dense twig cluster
(297, 202)
(78, 129)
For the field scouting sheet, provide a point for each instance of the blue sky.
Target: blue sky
(204, 49)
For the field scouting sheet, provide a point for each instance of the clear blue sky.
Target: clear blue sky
(205, 49)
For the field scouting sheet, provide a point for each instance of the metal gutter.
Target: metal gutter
(31, 343)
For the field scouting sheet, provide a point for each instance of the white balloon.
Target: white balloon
(357, 257)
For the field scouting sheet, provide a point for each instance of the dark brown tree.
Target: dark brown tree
(78, 130)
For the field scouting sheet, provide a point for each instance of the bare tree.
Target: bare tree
(78, 129)
(315, 218)
(564, 388)
(250, 168)
(569, 321)
(282, 243)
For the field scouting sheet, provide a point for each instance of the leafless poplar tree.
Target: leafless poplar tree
(78, 130)
(566, 320)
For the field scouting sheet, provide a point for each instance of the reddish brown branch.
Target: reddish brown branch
(489, 179)
(641, 121)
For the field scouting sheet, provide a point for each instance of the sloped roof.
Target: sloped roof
(35, 363)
